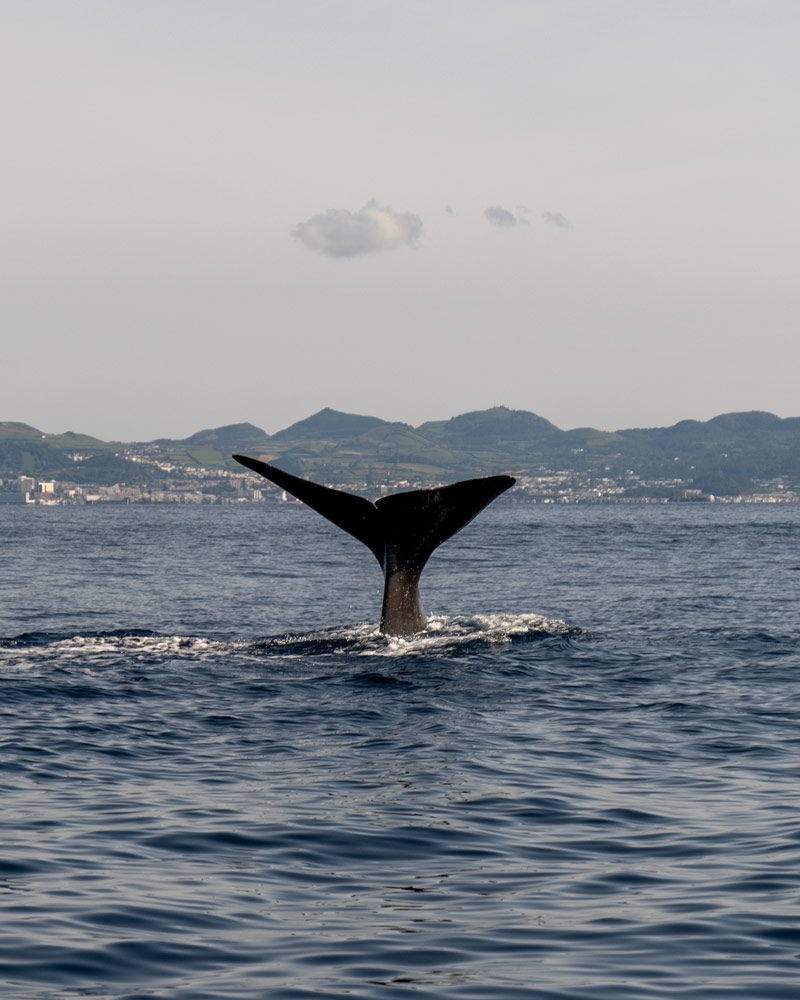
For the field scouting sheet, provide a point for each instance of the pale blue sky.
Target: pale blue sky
(188, 240)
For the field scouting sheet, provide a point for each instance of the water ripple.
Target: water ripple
(205, 798)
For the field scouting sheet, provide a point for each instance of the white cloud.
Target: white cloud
(500, 217)
(556, 219)
(373, 228)
(522, 214)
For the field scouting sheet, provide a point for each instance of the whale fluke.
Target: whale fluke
(401, 530)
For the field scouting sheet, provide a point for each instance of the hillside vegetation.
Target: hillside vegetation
(723, 455)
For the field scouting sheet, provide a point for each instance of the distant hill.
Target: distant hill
(329, 425)
(493, 427)
(232, 435)
(722, 455)
(9, 428)
(212, 448)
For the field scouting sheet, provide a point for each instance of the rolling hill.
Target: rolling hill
(721, 455)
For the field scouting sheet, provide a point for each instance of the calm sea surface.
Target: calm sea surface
(217, 780)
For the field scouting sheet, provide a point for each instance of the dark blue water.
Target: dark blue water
(218, 781)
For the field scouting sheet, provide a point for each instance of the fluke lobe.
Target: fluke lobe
(400, 530)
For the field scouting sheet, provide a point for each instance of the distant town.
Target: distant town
(215, 486)
(749, 457)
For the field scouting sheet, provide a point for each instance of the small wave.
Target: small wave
(39, 649)
(443, 636)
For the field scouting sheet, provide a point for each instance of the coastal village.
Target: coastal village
(192, 485)
(748, 457)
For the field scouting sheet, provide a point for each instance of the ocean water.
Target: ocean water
(217, 780)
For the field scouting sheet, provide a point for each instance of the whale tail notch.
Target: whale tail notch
(401, 530)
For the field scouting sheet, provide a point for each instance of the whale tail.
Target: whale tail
(401, 530)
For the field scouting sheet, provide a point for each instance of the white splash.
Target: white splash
(443, 635)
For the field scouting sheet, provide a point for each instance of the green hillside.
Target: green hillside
(722, 455)
(13, 429)
(106, 470)
(329, 425)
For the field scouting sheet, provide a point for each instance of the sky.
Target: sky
(217, 211)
